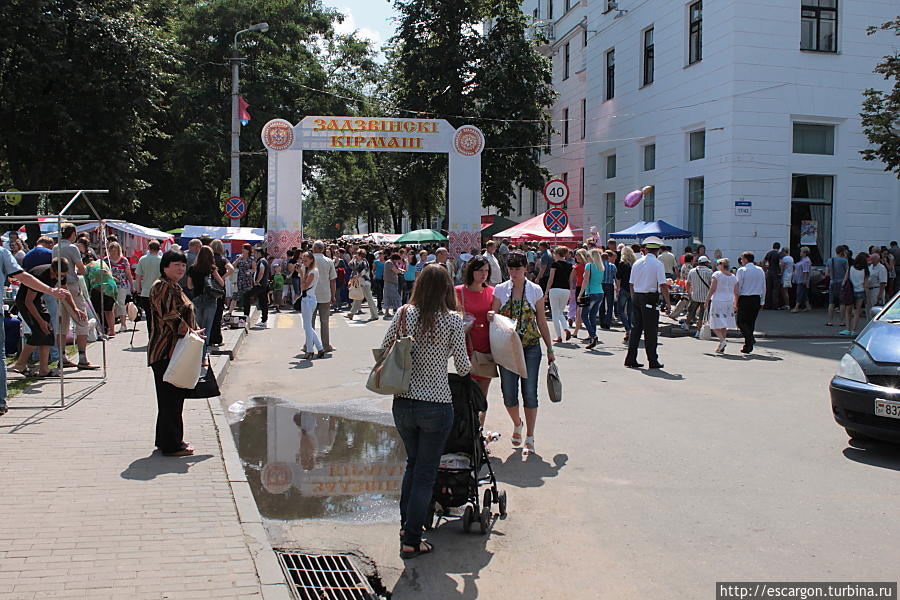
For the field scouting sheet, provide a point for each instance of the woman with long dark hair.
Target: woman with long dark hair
(474, 299)
(424, 415)
(173, 318)
(204, 302)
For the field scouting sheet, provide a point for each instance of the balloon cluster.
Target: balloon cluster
(634, 198)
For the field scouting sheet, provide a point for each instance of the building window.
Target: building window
(565, 177)
(811, 201)
(695, 33)
(610, 166)
(520, 201)
(611, 5)
(583, 118)
(650, 205)
(567, 62)
(610, 213)
(537, 13)
(581, 195)
(565, 127)
(818, 25)
(584, 38)
(813, 139)
(697, 145)
(610, 74)
(548, 147)
(695, 207)
(649, 157)
(550, 9)
(648, 56)
(568, 5)
(533, 202)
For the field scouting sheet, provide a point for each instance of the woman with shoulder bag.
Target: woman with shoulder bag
(523, 301)
(173, 318)
(424, 415)
(475, 298)
(205, 301)
(362, 276)
(309, 278)
(225, 270)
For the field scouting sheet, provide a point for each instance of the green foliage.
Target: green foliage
(881, 110)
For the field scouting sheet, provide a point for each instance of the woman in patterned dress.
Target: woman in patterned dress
(245, 267)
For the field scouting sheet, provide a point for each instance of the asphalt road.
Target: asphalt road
(647, 484)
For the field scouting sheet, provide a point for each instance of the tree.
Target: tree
(80, 91)
(881, 110)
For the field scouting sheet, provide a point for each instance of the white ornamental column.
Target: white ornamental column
(284, 189)
(465, 189)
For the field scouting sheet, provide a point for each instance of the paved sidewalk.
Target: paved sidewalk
(785, 324)
(89, 511)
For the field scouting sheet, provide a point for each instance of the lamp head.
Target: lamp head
(262, 27)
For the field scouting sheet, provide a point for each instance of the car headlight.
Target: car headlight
(850, 369)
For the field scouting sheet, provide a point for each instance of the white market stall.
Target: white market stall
(233, 237)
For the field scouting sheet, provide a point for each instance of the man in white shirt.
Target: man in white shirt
(749, 294)
(877, 281)
(648, 278)
(489, 255)
(326, 292)
(669, 261)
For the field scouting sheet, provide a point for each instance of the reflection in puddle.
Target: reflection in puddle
(303, 464)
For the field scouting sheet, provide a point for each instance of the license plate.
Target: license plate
(887, 408)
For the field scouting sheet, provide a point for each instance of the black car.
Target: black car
(865, 393)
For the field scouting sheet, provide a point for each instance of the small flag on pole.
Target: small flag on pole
(243, 113)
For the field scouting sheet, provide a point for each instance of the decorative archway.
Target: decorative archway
(285, 144)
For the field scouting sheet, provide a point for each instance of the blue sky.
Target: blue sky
(372, 18)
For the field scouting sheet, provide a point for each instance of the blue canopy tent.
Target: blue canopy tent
(643, 229)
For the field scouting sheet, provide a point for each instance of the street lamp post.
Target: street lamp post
(236, 60)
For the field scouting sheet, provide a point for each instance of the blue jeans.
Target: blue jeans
(609, 299)
(590, 312)
(623, 309)
(509, 381)
(307, 308)
(423, 427)
(206, 313)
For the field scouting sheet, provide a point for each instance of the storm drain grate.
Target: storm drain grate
(325, 577)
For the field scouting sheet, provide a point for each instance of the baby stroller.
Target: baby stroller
(464, 457)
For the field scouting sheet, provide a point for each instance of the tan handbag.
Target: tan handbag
(356, 291)
(393, 365)
(483, 364)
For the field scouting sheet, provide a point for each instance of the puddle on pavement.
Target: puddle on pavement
(305, 463)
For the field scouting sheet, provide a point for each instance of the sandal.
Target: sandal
(50, 373)
(529, 445)
(24, 372)
(516, 438)
(428, 548)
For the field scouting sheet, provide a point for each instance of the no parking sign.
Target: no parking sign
(235, 207)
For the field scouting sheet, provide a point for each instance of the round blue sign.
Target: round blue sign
(556, 220)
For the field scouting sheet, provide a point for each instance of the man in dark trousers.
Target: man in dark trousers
(648, 278)
(772, 263)
(260, 289)
(748, 296)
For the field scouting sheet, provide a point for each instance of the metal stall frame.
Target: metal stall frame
(61, 217)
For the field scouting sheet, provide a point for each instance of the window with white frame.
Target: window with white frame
(648, 57)
(583, 118)
(610, 212)
(695, 32)
(565, 178)
(567, 61)
(581, 184)
(550, 9)
(533, 202)
(565, 127)
(818, 25)
(695, 207)
(811, 138)
(649, 157)
(697, 145)
(650, 205)
(610, 74)
(610, 166)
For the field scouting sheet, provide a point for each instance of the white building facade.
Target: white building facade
(743, 115)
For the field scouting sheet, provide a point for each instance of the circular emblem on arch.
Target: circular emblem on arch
(278, 134)
(468, 140)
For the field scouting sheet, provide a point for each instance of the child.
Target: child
(278, 288)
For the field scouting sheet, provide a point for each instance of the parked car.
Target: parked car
(865, 393)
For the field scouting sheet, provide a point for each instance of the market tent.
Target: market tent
(643, 229)
(244, 234)
(533, 230)
(494, 224)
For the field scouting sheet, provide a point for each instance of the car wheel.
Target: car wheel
(856, 435)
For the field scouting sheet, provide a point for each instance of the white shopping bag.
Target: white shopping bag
(506, 346)
(184, 367)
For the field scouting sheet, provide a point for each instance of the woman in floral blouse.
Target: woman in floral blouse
(173, 318)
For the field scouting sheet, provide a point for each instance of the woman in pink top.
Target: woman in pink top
(474, 298)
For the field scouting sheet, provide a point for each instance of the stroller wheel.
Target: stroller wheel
(485, 521)
(467, 518)
(502, 502)
(487, 499)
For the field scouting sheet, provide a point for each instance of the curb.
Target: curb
(268, 570)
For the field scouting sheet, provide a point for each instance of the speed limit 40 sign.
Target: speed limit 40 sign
(556, 192)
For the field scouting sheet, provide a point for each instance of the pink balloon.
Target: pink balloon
(633, 198)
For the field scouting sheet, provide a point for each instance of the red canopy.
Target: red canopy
(533, 230)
